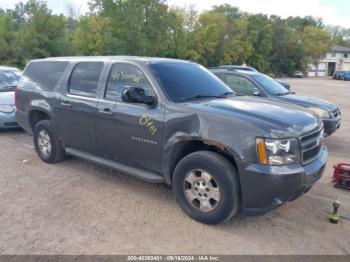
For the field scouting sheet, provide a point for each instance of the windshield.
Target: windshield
(8, 80)
(270, 86)
(182, 81)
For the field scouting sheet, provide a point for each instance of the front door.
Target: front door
(75, 112)
(129, 133)
(331, 68)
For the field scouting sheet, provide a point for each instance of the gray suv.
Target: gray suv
(174, 122)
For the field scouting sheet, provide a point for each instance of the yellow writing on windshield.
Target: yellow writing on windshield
(121, 75)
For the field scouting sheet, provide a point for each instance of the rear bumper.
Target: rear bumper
(8, 121)
(264, 188)
(331, 125)
(23, 121)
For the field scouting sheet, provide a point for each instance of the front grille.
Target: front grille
(335, 113)
(311, 145)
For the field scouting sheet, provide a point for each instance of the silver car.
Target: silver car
(9, 77)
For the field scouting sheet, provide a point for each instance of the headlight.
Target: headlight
(277, 151)
(7, 109)
(321, 112)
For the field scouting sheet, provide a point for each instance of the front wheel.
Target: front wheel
(206, 187)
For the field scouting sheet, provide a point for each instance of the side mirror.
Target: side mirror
(257, 93)
(137, 95)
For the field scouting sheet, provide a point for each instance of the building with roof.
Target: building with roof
(337, 59)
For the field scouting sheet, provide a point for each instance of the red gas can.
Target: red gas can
(341, 175)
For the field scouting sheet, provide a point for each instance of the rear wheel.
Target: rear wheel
(46, 142)
(206, 187)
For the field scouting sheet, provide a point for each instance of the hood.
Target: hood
(7, 98)
(306, 101)
(274, 115)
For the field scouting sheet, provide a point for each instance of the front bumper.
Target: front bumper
(264, 188)
(8, 121)
(331, 125)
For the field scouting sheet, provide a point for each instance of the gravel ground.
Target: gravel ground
(76, 207)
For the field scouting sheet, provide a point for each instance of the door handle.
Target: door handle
(106, 111)
(66, 104)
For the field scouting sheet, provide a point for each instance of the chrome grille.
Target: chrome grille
(311, 144)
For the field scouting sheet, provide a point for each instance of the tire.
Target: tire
(191, 180)
(46, 143)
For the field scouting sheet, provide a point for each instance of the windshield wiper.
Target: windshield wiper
(227, 93)
(282, 94)
(202, 96)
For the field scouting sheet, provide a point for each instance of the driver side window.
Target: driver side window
(123, 76)
(241, 85)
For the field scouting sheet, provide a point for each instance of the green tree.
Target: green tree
(222, 35)
(260, 35)
(286, 49)
(87, 38)
(339, 35)
(208, 37)
(43, 34)
(233, 46)
(316, 43)
(139, 24)
(7, 38)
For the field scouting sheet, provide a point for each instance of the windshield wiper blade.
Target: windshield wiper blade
(201, 96)
(282, 94)
(227, 93)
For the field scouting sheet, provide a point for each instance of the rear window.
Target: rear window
(43, 75)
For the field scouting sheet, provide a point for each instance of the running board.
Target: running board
(132, 171)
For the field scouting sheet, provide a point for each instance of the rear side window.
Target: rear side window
(84, 79)
(43, 75)
(240, 85)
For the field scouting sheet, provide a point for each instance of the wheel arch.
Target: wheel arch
(185, 147)
(36, 115)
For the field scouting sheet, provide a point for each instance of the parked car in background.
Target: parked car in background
(345, 75)
(338, 74)
(9, 77)
(298, 74)
(335, 75)
(251, 69)
(260, 85)
(15, 70)
(172, 121)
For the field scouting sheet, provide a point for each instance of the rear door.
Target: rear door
(129, 133)
(75, 113)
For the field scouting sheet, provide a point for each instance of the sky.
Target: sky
(333, 12)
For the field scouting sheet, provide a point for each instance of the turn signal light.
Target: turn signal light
(260, 144)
